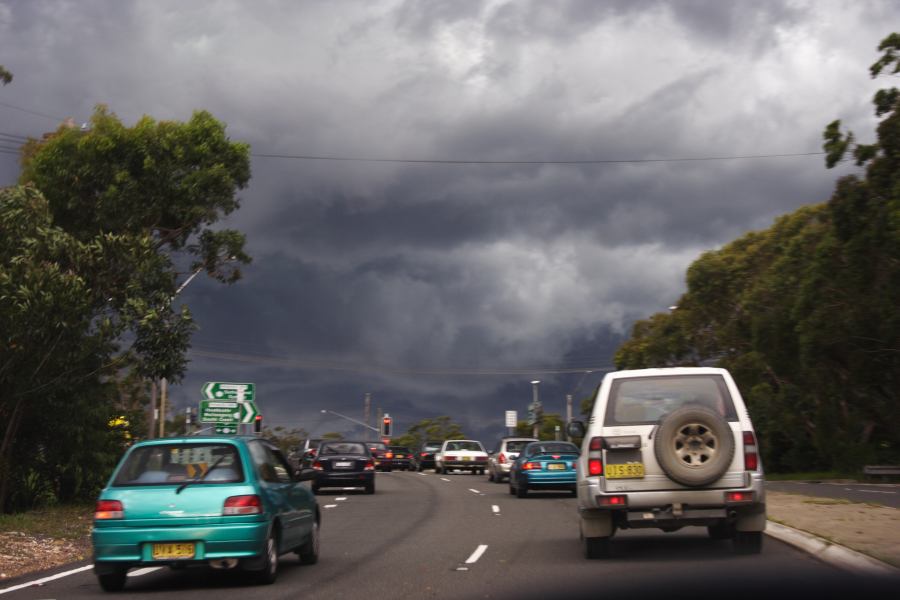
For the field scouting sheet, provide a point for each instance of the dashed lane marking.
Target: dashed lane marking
(477, 554)
(474, 491)
(496, 509)
(341, 499)
(444, 479)
(330, 506)
(144, 571)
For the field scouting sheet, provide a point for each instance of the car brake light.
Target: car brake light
(531, 466)
(611, 500)
(501, 459)
(596, 444)
(108, 509)
(317, 466)
(751, 456)
(738, 496)
(389, 455)
(242, 505)
(450, 457)
(555, 456)
(595, 466)
(423, 454)
(370, 466)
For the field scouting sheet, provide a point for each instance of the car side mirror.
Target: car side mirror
(575, 429)
(304, 474)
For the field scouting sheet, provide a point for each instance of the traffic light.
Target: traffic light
(257, 424)
(386, 426)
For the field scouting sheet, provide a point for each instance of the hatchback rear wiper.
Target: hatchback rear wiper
(202, 477)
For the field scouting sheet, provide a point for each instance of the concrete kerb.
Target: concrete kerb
(829, 552)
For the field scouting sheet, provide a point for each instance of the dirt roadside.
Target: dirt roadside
(869, 528)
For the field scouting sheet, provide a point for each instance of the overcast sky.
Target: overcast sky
(443, 289)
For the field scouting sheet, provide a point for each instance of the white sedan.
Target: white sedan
(467, 455)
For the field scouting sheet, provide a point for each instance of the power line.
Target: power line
(13, 136)
(32, 112)
(530, 162)
(299, 363)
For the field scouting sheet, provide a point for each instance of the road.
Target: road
(880, 493)
(459, 536)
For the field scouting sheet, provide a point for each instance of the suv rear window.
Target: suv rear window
(165, 464)
(516, 446)
(645, 400)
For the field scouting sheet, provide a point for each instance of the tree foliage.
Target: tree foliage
(92, 244)
(805, 313)
(436, 429)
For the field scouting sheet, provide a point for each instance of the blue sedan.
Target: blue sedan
(544, 466)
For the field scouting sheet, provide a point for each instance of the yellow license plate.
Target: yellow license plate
(626, 471)
(173, 551)
(467, 458)
(556, 467)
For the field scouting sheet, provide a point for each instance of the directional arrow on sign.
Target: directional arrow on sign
(248, 412)
(222, 390)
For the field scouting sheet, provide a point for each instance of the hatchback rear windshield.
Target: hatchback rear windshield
(464, 446)
(333, 448)
(645, 400)
(553, 448)
(166, 464)
(516, 446)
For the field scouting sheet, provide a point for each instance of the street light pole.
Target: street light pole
(351, 419)
(536, 404)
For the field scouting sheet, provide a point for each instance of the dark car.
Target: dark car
(403, 459)
(230, 502)
(544, 466)
(382, 455)
(425, 458)
(344, 464)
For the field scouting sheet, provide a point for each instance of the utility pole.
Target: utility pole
(151, 430)
(163, 386)
(568, 415)
(367, 409)
(378, 420)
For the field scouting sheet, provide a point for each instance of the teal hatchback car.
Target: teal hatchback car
(224, 501)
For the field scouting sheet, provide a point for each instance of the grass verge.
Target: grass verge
(70, 522)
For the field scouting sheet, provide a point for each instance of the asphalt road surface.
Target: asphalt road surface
(458, 536)
(880, 493)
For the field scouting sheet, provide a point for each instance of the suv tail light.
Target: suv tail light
(735, 497)
(612, 500)
(501, 459)
(595, 456)
(108, 509)
(317, 466)
(242, 505)
(751, 455)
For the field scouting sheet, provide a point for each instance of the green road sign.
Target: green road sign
(221, 390)
(248, 412)
(226, 429)
(224, 413)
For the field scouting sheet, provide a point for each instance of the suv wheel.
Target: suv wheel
(694, 445)
(748, 542)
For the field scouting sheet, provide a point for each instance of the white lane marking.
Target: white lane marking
(496, 509)
(444, 479)
(144, 571)
(350, 488)
(474, 491)
(44, 580)
(477, 554)
(421, 473)
(331, 506)
(341, 499)
(870, 491)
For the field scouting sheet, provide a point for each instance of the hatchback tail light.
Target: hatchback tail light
(751, 454)
(370, 465)
(501, 459)
(108, 509)
(317, 466)
(531, 466)
(242, 505)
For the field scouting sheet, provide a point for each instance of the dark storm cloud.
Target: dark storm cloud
(377, 267)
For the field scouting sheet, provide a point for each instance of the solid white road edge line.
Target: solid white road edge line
(44, 580)
(477, 554)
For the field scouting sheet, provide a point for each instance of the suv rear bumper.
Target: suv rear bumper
(676, 508)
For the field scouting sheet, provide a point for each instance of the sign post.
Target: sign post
(512, 418)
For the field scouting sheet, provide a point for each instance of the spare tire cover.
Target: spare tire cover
(694, 445)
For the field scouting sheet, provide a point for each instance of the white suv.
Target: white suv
(468, 455)
(667, 448)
